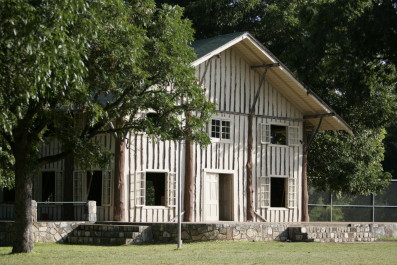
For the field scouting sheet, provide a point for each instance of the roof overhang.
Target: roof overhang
(307, 102)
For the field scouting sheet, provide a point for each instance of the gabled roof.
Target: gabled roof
(256, 54)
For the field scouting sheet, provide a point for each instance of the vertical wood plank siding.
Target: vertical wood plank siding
(231, 84)
(104, 213)
(48, 149)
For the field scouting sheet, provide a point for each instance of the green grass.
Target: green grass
(388, 239)
(226, 252)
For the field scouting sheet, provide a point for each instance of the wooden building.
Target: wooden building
(245, 81)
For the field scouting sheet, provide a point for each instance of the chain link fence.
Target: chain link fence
(326, 207)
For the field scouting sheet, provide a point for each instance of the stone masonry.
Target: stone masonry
(318, 232)
(191, 232)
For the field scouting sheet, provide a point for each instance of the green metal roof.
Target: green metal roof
(205, 46)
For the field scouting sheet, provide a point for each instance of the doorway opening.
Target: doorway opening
(219, 200)
(225, 197)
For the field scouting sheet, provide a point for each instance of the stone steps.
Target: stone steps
(110, 234)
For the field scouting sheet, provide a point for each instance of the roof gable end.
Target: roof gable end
(304, 99)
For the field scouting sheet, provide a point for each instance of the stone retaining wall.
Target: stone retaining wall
(318, 232)
(42, 231)
(191, 232)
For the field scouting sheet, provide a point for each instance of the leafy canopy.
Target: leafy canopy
(69, 69)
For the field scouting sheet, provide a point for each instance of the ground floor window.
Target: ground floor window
(278, 191)
(93, 186)
(8, 195)
(155, 189)
(48, 186)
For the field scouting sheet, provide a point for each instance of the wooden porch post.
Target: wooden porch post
(119, 184)
(305, 192)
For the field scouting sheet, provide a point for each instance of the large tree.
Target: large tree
(105, 60)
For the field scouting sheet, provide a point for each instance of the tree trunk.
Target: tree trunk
(189, 182)
(250, 191)
(119, 199)
(68, 208)
(305, 193)
(23, 241)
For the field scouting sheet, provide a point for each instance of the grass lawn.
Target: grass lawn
(226, 252)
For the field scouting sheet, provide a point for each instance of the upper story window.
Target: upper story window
(221, 129)
(279, 134)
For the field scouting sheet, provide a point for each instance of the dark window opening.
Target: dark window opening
(279, 135)
(8, 195)
(154, 118)
(48, 186)
(277, 192)
(94, 186)
(155, 189)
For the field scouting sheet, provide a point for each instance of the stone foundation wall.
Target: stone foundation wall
(318, 232)
(168, 232)
(42, 231)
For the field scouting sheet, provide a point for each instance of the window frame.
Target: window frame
(58, 185)
(79, 185)
(106, 189)
(264, 192)
(292, 134)
(171, 184)
(220, 138)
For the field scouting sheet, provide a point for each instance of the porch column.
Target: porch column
(90, 211)
(34, 211)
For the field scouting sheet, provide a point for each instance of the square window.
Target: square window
(221, 129)
(276, 192)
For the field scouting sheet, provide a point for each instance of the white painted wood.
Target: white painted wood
(211, 191)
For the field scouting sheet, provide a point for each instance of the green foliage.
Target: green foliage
(389, 164)
(103, 59)
(355, 166)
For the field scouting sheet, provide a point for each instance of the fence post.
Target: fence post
(373, 207)
(34, 211)
(90, 211)
(332, 206)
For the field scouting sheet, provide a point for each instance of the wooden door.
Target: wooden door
(211, 197)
